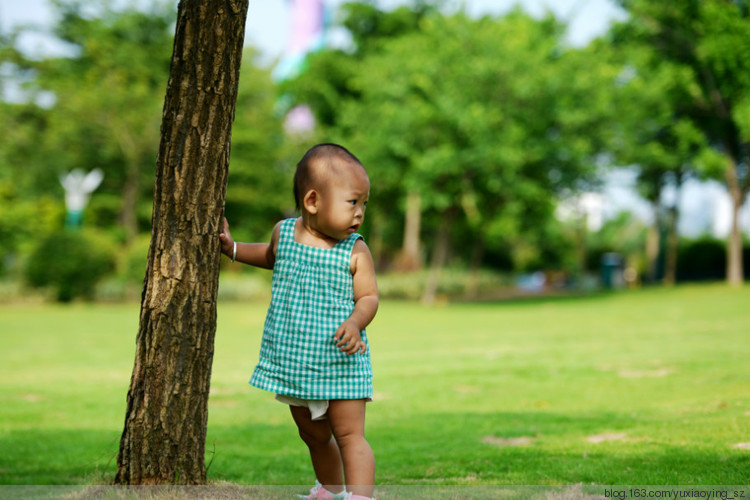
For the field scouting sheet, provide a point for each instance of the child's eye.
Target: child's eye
(353, 202)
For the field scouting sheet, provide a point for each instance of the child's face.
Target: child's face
(341, 206)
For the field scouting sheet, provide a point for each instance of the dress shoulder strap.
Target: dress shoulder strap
(286, 238)
(346, 246)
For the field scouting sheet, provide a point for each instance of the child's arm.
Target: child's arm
(256, 254)
(365, 301)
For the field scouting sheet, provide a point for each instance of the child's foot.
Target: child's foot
(318, 491)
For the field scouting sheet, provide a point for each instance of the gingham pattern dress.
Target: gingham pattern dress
(312, 295)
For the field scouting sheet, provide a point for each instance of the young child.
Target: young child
(314, 353)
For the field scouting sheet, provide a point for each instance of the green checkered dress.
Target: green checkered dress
(312, 295)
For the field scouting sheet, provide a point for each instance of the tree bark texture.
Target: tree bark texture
(163, 441)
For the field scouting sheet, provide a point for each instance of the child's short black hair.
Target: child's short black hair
(319, 152)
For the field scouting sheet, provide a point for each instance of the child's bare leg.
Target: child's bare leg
(347, 418)
(324, 451)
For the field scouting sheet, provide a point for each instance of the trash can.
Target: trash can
(612, 277)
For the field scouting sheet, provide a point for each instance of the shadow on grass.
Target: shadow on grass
(534, 448)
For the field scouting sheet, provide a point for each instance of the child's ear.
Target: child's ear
(310, 201)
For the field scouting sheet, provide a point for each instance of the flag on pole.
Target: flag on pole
(307, 32)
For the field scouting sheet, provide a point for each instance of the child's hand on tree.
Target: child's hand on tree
(347, 338)
(227, 242)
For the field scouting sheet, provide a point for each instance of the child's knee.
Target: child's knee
(345, 435)
(315, 438)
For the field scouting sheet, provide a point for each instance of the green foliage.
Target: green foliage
(653, 128)
(71, 263)
(488, 120)
(259, 185)
(103, 103)
(702, 259)
(133, 266)
(22, 221)
(699, 53)
(105, 111)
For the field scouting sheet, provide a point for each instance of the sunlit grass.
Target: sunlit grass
(643, 387)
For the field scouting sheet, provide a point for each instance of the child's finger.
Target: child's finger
(351, 348)
(340, 331)
(338, 336)
(345, 336)
(346, 344)
(358, 347)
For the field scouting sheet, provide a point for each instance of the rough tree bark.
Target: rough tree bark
(163, 441)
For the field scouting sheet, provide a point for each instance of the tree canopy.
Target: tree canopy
(473, 129)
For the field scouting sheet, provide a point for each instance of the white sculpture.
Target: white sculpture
(78, 187)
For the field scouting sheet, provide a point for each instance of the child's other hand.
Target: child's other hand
(347, 338)
(227, 242)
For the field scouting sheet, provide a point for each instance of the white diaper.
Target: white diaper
(318, 407)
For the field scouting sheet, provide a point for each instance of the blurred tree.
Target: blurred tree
(485, 120)
(107, 96)
(258, 159)
(329, 81)
(163, 441)
(654, 132)
(100, 106)
(26, 212)
(708, 44)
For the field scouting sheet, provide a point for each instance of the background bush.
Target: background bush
(135, 260)
(70, 263)
(702, 259)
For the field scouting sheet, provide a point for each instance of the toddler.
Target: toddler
(314, 354)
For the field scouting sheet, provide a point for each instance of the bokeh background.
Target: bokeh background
(513, 148)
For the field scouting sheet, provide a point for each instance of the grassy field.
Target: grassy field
(642, 387)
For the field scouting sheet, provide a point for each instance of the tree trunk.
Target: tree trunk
(652, 243)
(582, 253)
(735, 272)
(439, 258)
(163, 441)
(410, 258)
(471, 291)
(673, 236)
(375, 239)
(673, 241)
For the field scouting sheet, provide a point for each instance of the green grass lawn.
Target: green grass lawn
(642, 387)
